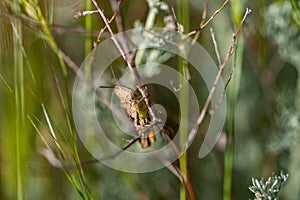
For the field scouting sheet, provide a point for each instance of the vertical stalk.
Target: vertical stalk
(88, 39)
(183, 18)
(19, 92)
(236, 15)
(232, 99)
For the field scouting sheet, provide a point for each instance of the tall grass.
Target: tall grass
(19, 93)
(183, 12)
(233, 93)
(31, 10)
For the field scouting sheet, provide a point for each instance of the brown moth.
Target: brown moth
(132, 103)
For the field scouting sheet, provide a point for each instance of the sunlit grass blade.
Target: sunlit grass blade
(5, 85)
(19, 94)
(233, 91)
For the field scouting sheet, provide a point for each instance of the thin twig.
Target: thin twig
(215, 13)
(193, 131)
(115, 5)
(179, 27)
(102, 31)
(214, 107)
(72, 65)
(210, 19)
(129, 59)
(212, 33)
(204, 14)
(114, 155)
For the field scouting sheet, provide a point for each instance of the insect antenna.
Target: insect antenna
(114, 76)
(113, 73)
(106, 86)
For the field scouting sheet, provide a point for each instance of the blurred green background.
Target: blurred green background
(36, 84)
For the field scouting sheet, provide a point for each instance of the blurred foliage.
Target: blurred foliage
(267, 120)
(284, 31)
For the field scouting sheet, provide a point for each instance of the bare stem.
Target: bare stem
(115, 5)
(212, 33)
(230, 51)
(129, 59)
(203, 24)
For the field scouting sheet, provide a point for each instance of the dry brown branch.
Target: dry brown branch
(114, 155)
(193, 132)
(115, 5)
(208, 21)
(212, 33)
(129, 59)
(215, 13)
(102, 31)
(214, 107)
(204, 14)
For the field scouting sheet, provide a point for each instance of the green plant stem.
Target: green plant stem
(49, 38)
(233, 100)
(88, 39)
(19, 92)
(236, 16)
(184, 104)
(77, 177)
(228, 161)
(183, 17)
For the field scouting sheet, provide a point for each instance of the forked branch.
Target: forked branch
(230, 51)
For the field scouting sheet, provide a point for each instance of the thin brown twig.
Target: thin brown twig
(210, 19)
(114, 155)
(179, 27)
(214, 107)
(215, 13)
(193, 131)
(102, 31)
(129, 59)
(115, 5)
(72, 65)
(212, 33)
(204, 14)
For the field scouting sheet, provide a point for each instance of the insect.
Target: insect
(134, 105)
